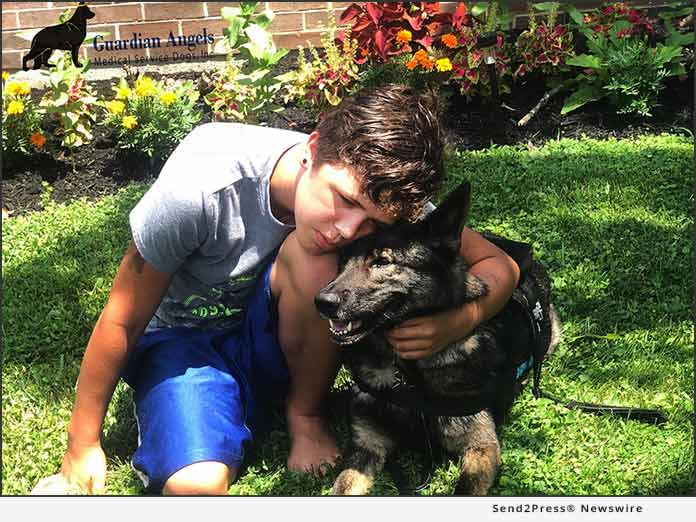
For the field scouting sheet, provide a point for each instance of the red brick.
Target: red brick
(340, 6)
(278, 7)
(287, 22)
(9, 21)
(317, 20)
(12, 41)
(12, 60)
(41, 18)
(73, 4)
(23, 5)
(149, 30)
(292, 40)
(214, 7)
(116, 13)
(173, 10)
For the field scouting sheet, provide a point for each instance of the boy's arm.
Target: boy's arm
(136, 292)
(423, 336)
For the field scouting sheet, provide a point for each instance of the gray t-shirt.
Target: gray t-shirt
(208, 220)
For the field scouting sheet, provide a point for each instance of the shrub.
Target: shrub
(21, 118)
(70, 101)
(151, 116)
(327, 77)
(544, 47)
(621, 65)
(245, 89)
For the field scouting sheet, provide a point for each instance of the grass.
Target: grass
(612, 222)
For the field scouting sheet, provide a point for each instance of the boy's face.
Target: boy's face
(330, 210)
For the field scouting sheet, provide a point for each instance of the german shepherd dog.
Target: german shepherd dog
(67, 36)
(412, 270)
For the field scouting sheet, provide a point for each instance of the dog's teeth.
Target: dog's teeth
(350, 326)
(332, 325)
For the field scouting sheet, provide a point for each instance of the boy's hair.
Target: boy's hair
(391, 137)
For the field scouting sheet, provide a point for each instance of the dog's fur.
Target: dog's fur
(407, 271)
(67, 36)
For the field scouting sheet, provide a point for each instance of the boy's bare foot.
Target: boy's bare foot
(312, 446)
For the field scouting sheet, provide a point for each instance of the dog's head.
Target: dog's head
(83, 12)
(396, 273)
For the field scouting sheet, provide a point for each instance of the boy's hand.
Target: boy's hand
(85, 467)
(424, 336)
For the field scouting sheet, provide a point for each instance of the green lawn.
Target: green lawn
(610, 219)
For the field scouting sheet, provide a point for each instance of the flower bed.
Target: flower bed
(419, 45)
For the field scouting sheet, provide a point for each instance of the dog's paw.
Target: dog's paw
(352, 482)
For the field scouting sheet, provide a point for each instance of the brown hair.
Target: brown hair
(390, 135)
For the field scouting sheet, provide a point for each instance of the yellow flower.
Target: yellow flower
(145, 86)
(449, 40)
(5, 76)
(443, 65)
(18, 88)
(15, 107)
(130, 122)
(37, 140)
(115, 106)
(168, 98)
(122, 93)
(404, 36)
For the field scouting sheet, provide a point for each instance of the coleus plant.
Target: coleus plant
(545, 45)
(375, 26)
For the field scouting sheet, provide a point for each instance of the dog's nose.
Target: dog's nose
(327, 303)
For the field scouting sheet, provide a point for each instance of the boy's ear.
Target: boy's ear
(447, 220)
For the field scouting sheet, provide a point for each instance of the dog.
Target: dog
(461, 393)
(67, 36)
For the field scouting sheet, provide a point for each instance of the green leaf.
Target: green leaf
(676, 69)
(279, 54)
(586, 61)
(479, 8)
(665, 53)
(545, 6)
(248, 8)
(583, 95)
(61, 99)
(265, 19)
(681, 39)
(233, 30)
(260, 44)
(574, 14)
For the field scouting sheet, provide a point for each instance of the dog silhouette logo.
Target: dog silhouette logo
(67, 36)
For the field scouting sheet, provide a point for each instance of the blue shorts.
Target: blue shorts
(196, 391)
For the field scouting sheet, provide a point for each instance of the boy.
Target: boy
(228, 317)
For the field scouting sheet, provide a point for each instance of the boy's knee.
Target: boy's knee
(201, 478)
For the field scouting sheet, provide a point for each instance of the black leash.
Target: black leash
(647, 415)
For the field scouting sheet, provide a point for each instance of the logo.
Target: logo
(67, 36)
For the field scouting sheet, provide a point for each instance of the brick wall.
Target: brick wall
(295, 23)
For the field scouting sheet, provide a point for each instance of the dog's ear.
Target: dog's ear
(447, 220)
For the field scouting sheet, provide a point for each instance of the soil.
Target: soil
(100, 168)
